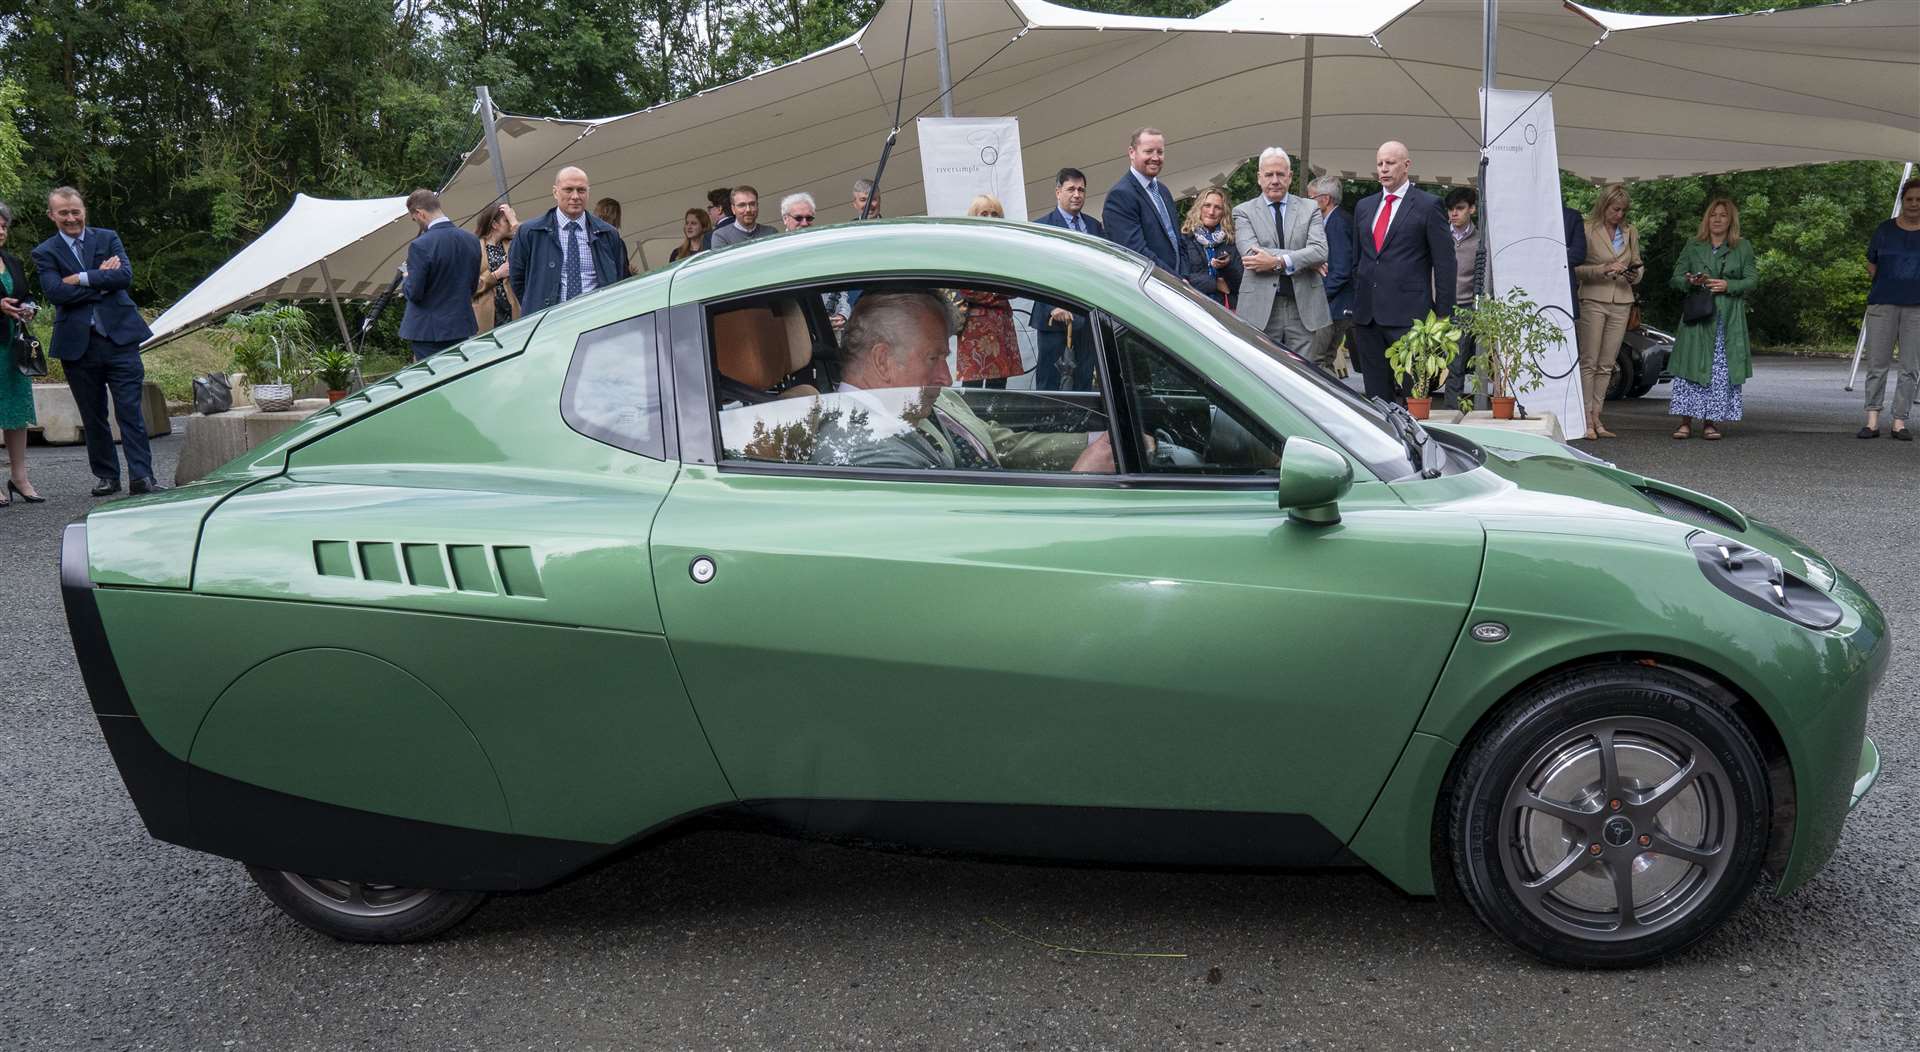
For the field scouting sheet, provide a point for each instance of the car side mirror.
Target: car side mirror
(1312, 480)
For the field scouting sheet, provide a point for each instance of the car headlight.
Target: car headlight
(1760, 581)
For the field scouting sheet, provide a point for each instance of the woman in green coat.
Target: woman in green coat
(16, 393)
(1710, 359)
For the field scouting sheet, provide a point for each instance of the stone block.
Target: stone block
(1543, 424)
(213, 440)
(59, 417)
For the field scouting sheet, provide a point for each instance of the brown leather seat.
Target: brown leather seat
(759, 347)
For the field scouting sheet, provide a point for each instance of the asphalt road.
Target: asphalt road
(728, 940)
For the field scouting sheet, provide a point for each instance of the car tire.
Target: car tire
(1626, 373)
(1541, 826)
(358, 911)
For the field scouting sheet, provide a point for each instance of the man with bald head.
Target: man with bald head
(566, 252)
(1403, 254)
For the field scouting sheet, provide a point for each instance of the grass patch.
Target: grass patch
(1825, 349)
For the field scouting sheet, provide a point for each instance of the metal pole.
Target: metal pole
(940, 46)
(1861, 344)
(339, 315)
(1306, 120)
(1490, 17)
(493, 143)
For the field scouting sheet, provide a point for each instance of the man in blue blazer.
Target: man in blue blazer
(566, 252)
(97, 331)
(1054, 322)
(1139, 211)
(1402, 253)
(443, 271)
(1325, 192)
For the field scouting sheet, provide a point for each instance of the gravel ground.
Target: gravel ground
(728, 940)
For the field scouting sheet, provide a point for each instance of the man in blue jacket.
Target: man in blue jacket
(565, 253)
(1139, 211)
(1325, 192)
(443, 270)
(97, 331)
(1053, 322)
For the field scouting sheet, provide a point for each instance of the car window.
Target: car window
(1187, 427)
(612, 391)
(929, 377)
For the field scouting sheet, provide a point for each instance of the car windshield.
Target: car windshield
(1359, 425)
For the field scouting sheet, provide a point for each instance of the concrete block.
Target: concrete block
(59, 417)
(213, 440)
(1543, 424)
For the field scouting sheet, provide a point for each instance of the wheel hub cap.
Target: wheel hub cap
(1618, 831)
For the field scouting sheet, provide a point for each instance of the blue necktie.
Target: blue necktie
(570, 275)
(80, 254)
(1166, 223)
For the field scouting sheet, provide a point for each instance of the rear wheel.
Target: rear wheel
(1613, 817)
(359, 911)
(1626, 374)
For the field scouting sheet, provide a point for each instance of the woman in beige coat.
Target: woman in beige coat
(1607, 279)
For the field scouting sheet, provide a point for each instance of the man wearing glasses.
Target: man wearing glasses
(746, 225)
(797, 211)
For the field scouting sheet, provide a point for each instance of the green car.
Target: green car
(730, 538)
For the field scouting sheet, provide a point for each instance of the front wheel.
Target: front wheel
(358, 911)
(1612, 817)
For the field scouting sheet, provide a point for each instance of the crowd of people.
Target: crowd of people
(1319, 281)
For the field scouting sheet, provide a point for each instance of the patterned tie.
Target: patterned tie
(1380, 221)
(80, 254)
(570, 274)
(1166, 223)
(967, 451)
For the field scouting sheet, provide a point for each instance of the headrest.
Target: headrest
(750, 345)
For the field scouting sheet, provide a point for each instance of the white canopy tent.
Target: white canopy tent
(1637, 97)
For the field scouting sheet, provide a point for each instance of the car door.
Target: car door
(1160, 639)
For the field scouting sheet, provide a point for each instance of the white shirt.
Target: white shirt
(1076, 222)
(1399, 203)
(588, 279)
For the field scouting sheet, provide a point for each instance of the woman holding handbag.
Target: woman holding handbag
(1710, 355)
(16, 391)
(493, 299)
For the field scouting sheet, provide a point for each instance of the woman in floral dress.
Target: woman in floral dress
(1711, 358)
(989, 352)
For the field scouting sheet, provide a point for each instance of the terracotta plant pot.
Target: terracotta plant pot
(1419, 407)
(1502, 408)
(335, 396)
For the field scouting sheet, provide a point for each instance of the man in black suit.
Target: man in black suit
(443, 270)
(1053, 322)
(1403, 252)
(1139, 211)
(97, 332)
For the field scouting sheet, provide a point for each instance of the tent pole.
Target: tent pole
(339, 316)
(493, 142)
(1860, 345)
(1306, 120)
(1490, 17)
(940, 46)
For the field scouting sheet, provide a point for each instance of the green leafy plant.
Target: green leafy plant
(334, 365)
(1512, 339)
(1424, 352)
(272, 344)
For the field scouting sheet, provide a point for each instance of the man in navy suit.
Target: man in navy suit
(1139, 211)
(97, 331)
(1325, 192)
(1402, 253)
(1053, 322)
(443, 270)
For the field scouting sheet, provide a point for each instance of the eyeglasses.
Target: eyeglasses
(801, 219)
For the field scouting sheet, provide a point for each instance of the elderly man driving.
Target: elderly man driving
(899, 410)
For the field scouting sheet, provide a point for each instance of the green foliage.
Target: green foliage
(1423, 352)
(272, 344)
(1512, 338)
(334, 366)
(12, 145)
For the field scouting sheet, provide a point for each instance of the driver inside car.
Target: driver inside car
(897, 409)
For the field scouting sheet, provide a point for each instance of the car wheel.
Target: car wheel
(1612, 817)
(1626, 373)
(358, 911)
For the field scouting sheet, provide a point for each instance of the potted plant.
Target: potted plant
(1512, 338)
(335, 365)
(1423, 354)
(272, 345)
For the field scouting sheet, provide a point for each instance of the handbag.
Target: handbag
(212, 393)
(28, 356)
(1698, 306)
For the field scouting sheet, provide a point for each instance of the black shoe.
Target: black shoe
(106, 487)
(139, 486)
(15, 491)
(1867, 432)
(1903, 434)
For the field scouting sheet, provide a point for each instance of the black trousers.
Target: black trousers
(1370, 343)
(110, 368)
(1053, 343)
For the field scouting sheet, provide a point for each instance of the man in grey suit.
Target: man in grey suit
(1283, 244)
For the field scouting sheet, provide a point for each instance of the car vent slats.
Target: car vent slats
(477, 568)
(1687, 511)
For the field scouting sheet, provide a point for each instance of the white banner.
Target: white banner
(1521, 204)
(963, 157)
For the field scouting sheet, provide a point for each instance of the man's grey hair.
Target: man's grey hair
(65, 191)
(1326, 184)
(1272, 152)
(888, 317)
(863, 186)
(6, 215)
(787, 202)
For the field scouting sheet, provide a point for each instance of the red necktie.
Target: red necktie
(1380, 221)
